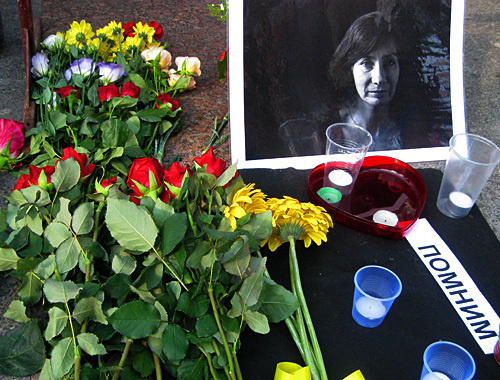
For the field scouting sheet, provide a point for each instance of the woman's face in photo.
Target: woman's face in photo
(376, 75)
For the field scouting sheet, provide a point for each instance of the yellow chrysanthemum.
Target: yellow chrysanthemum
(79, 33)
(244, 201)
(133, 43)
(144, 31)
(302, 221)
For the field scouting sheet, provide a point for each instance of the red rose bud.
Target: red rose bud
(167, 99)
(66, 90)
(158, 30)
(103, 186)
(108, 92)
(128, 29)
(145, 177)
(86, 169)
(130, 89)
(175, 176)
(215, 166)
(11, 138)
(165, 195)
(36, 176)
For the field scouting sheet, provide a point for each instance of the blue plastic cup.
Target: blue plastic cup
(375, 289)
(447, 361)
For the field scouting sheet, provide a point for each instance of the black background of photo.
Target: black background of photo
(288, 45)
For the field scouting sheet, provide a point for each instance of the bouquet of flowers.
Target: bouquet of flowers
(111, 92)
(158, 273)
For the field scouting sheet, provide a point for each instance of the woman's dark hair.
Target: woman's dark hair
(360, 39)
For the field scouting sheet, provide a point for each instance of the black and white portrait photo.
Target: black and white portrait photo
(393, 67)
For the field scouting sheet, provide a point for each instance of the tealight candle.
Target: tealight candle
(435, 376)
(340, 177)
(386, 217)
(461, 200)
(370, 308)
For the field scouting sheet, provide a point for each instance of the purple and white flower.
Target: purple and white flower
(39, 65)
(82, 66)
(110, 72)
(53, 42)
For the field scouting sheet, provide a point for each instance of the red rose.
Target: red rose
(11, 134)
(165, 195)
(66, 90)
(36, 176)
(215, 166)
(167, 99)
(145, 178)
(128, 29)
(108, 92)
(82, 159)
(175, 176)
(158, 30)
(130, 89)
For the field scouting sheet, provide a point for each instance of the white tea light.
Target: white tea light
(340, 177)
(370, 308)
(461, 200)
(436, 376)
(386, 217)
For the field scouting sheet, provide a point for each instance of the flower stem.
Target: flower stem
(157, 367)
(123, 359)
(227, 349)
(294, 271)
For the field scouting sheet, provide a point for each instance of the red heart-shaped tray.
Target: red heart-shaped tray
(385, 186)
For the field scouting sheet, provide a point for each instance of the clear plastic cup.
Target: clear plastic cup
(470, 164)
(346, 147)
(447, 361)
(375, 289)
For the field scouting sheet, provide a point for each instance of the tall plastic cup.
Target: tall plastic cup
(447, 361)
(375, 289)
(470, 164)
(346, 147)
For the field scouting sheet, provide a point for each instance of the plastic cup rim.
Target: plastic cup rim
(355, 126)
(479, 138)
(426, 366)
(400, 288)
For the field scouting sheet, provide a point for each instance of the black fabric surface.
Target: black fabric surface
(419, 317)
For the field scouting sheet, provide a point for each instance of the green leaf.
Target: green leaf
(116, 285)
(260, 225)
(17, 312)
(63, 357)
(8, 259)
(152, 115)
(83, 220)
(90, 308)
(193, 308)
(64, 216)
(90, 344)
(174, 229)
(143, 363)
(30, 291)
(67, 255)
(66, 175)
(36, 195)
(60, 291)
(227, 175)
(206, 326)
(47, 373)
(192, 369)
(135, 320)
(130, 225)
(175, 342)
(256, 321)
(114, 133)
(251, 288)
(56, 233)
(276, 302)
(122, 262)
(22, 350)
(58, 320)
(46, 267)
(161, 212)
(138, 80)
